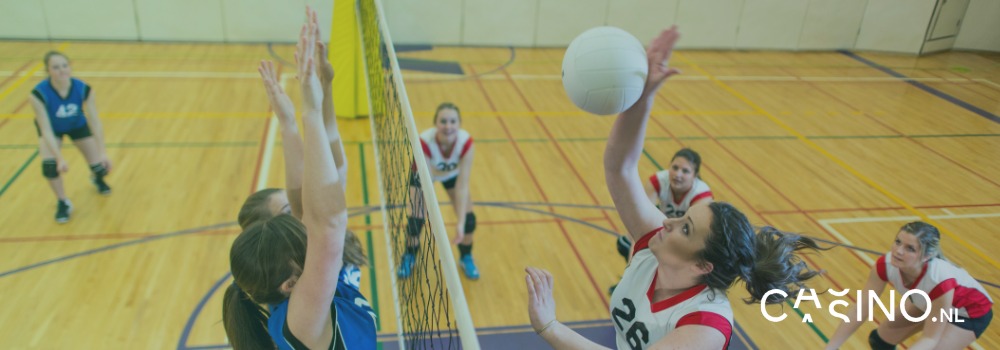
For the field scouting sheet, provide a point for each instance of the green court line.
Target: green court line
(658, 167)
(368, 235)
(18, 173)
(855, 137)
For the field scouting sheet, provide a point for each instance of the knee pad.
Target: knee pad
(470, 223)
(624, 246)
(876, 342)
(98, 169)
(414, 226)
(50, 168)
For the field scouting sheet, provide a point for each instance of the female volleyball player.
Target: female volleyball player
(680, 187)
(674, 191)
(295, 267)
(673, 292)
(915, 262)
(449, 152)
(66, 106)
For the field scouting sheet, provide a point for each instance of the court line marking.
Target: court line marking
(986, 81)
(24, 76)
(487, 76)
(816, 147)
(828, 224)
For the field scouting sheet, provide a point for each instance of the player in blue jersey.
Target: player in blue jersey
(287, 293)
(66, 106)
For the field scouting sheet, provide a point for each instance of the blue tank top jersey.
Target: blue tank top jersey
(354, 319)
(65, 114)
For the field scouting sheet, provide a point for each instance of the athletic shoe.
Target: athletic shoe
(469, 267)
(63, 208)
(406, 267)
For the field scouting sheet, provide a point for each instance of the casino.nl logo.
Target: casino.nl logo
(808, 294)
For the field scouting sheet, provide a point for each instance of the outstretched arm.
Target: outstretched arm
(462, 191)
(621, 157)
(324, 208)
(329, 115)
(290, 139)
(90, 111)
(542, 312)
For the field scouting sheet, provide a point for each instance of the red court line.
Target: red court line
(538, 187)
(101, 236)
(887, 126)
(562, 153)
(15, 73)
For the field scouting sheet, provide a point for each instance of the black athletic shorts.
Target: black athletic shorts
(75, 134)
(976, 325)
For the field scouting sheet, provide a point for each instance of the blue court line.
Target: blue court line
(17, 174)
(114, 246)
(922, 86)
(197, 311)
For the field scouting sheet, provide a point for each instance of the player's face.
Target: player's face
(447, 122)
(682, 238)
(278, 203)
(59, 67)
(906, 252)
(681, 175)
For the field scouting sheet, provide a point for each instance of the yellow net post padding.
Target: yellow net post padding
(349, 92)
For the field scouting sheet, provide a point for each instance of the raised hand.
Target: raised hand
(658, 55)
(541, 304)
(305, 58)
(280, 103)
(325, 68)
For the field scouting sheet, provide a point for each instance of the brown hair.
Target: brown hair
(447, 105)
(50, 54)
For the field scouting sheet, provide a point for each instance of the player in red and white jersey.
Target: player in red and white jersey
(679, 187)
(674, 191)
(673, 293)
(916, 262)
(449, 152)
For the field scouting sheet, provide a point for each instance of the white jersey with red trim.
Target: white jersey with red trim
(937, 278)
(674, 209)
(444, 166)
(639, 322)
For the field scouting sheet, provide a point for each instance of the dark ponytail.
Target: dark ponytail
(763, 259)
(245, 321)
(777, 266)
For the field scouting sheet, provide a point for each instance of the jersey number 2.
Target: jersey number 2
(637, 335)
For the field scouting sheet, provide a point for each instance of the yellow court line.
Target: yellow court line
(10, 89)
(841, 163)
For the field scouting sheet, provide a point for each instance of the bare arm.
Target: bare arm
(933, 327)
(90, 110)
(290, 139)
(844, 330)
(542, 312)
(654, 197)
(621, 157)
(329, 114)
(48, 136)
(324, 209)
(462, 192)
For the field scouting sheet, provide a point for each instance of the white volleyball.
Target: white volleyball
(604, 70)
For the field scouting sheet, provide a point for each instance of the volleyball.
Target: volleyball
(604, 70)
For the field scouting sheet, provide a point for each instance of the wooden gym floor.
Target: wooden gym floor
(844, 147)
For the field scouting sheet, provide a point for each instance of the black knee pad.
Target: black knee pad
(624, 246)
(50, 169)
(470, 223)
(98, 169)
(876, 342)
(414, 226)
